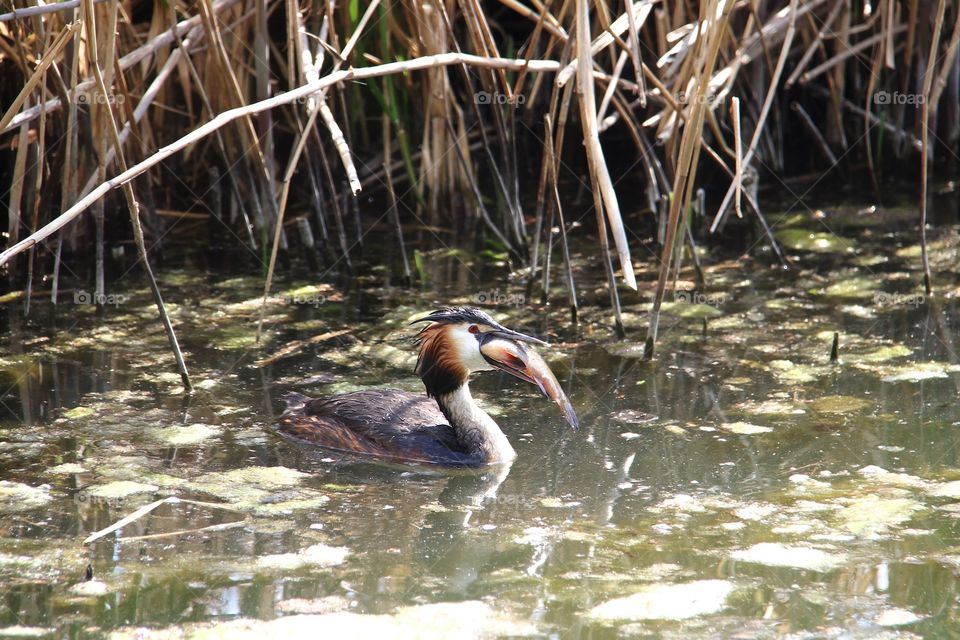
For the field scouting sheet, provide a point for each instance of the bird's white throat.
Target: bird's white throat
(474, 427)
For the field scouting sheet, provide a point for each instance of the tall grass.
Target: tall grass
(441, 102)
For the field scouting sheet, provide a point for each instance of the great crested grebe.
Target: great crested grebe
(445, 427)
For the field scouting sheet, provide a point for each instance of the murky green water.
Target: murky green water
(740, 486)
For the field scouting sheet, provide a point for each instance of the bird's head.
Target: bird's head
(460, 340)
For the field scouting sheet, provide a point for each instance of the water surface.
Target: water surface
(741, 485)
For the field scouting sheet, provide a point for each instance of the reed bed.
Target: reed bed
(444, 112)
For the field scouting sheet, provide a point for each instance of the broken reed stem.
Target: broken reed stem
(814, 132)
(591, 136)
(49, 58)
(686, 167)
(738, 151)
(144, 510)
(478, 196)
(926, 150)
(138, 55)
(226, 117)
(42, 9)
(132, 206)
(292, 163)
(555, 192)
(765, 109)
(395, 218)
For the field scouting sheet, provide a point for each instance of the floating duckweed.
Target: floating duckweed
(855, 287)
(263, 491)
(22, 631)
(774, 554)
(78, 413)
(897, 618)
(684, 309)
(666, 602)
(184, 435)
(870, 516)
(813, 241)
(838, 404)
(120, 489)
(90, 588)
(882, 354)
(787, 371)
(917, 373)
(16, 496)
(318, 555)
(946, 490)
(326, 604)
(66, 469)
(771, 407)
(882, 476)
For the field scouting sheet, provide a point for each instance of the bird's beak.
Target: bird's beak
(526, 364)
(509, 334)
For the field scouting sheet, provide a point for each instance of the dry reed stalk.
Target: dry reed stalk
(43, 9)
(137, 56)
(591, 136)
(926, 151)
(633, 43)
(844, 55)
(395, 215)
(48, 59)
(640, 11)
(816, 43)
(70, 178)
(226, 117)
(949, 58)
(558, 205)
(478, 196)
(716, 23)
(738, 171)
(257, 159)
(551, 25)
(133, 207)
(319, 105)
(814, 132)
(765, 109)
(193, 73)
(14, 208)
(493, 85)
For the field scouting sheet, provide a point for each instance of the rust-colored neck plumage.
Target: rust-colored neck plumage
(437, 364)
(445, 378)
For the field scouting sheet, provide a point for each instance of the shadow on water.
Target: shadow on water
(786, 494)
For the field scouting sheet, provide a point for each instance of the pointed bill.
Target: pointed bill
(526, 364)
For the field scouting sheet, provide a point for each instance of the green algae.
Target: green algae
(119, 489)
(774, 554)
(442, 620)
(318, 555)
(871, 516)
(184, 435)
(812, 241)
(17, 496)
(745, 428)
(666, 602)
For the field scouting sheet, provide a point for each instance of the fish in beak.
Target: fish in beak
(504, 349)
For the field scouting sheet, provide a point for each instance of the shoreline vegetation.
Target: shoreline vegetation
(226, 111)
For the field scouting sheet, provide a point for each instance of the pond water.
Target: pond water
(741, 485)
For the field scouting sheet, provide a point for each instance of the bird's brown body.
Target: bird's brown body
(393, 425)
(444, 427)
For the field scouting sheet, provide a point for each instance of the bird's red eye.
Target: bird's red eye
(473, 328)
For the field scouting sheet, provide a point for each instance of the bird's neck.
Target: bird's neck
(475, 429)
